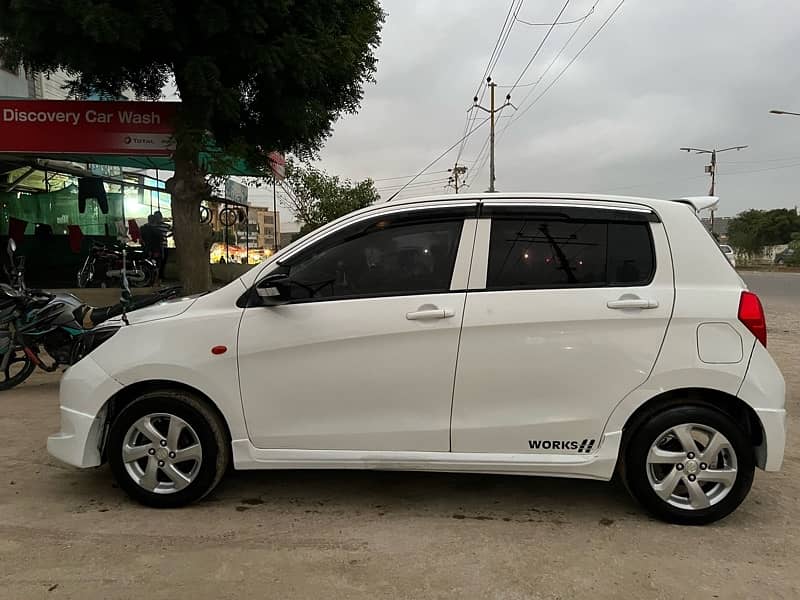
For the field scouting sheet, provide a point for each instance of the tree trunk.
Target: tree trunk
(188, 188)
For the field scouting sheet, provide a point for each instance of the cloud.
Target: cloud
(661, 75)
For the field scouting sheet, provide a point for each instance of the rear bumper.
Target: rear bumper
(764, 389)
(773, 422)
(85, 389)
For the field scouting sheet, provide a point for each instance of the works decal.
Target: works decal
(584, 446)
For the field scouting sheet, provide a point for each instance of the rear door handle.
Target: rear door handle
(623, 303)
(430, 313)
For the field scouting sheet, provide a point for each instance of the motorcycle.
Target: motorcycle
(36, 322)
(104, 263)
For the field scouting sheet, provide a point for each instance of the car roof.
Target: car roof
(548, 196)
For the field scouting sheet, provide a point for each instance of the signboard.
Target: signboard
(235, 191)
(277, 164)
(78, 127)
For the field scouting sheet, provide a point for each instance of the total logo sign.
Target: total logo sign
(76, 127)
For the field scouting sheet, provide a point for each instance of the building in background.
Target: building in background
(13, 83)
(290, 231)
(720, 227)
(48, 87)
(264, 219)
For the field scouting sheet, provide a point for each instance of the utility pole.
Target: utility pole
(492, 112)
(458, 171)
(712, 169)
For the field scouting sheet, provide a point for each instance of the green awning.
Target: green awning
(237, 167)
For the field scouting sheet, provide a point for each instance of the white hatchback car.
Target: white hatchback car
(557, 335)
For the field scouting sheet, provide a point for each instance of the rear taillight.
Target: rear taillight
(751, 314)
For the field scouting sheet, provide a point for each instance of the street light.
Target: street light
(784, 112)
(712, 168)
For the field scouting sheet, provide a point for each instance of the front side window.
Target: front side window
(383, 258)
(556, 253)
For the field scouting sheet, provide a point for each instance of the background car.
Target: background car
(786, 257)
(729, 254)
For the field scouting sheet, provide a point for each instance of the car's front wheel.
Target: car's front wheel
(168, 449)
(689, 464)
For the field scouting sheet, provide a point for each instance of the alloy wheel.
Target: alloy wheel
(162, 453)
(691, 466)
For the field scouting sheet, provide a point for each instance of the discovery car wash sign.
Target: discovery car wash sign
(77, 127)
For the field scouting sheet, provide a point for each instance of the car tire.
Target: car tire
(684, 483)
(168, 449)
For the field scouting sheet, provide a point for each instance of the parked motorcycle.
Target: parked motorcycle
(34, 323)
(103, 267)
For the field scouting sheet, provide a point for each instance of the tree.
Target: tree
(752, 230)
(318, 198)
(252, 75)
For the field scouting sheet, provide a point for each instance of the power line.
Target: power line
(721, 172)
(761, 161)
(440, 157)
(759, 170)
(538, 49)
(567, 66)
(494, 50)
(407, 176)
(419, 183)
(471, 113)
(649, 183)
(583, 18)
(492, 65)
(539, 79)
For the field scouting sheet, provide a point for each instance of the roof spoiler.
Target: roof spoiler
(699, 203)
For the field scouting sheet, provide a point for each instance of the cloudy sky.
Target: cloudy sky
(659, 76)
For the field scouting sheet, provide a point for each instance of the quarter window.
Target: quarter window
(556, 253)
(385, 258)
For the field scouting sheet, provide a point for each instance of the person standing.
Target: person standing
(151, 242)
(164, 231)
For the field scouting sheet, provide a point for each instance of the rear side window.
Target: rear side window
(555, 253)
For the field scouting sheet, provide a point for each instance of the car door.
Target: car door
(565, 316)
(363, 355)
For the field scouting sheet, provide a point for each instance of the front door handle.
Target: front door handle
(425, 314)
(634, 302)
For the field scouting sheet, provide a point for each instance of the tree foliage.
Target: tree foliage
(752, 230)
(318, 198)
(255, 75)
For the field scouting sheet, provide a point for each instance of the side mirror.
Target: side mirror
(274, 290)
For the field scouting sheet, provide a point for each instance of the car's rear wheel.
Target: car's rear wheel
(690, 465)
(168, 449)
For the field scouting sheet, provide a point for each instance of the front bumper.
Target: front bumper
(85, 389)
(78, 442)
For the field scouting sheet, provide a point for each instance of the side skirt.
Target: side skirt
(599, 465)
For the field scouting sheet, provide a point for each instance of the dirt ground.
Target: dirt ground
(66, 533)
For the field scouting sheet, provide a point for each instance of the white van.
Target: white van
(532, 334)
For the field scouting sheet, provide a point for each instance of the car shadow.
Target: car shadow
(457, 496)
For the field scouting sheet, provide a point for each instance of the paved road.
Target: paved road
(778, 288)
